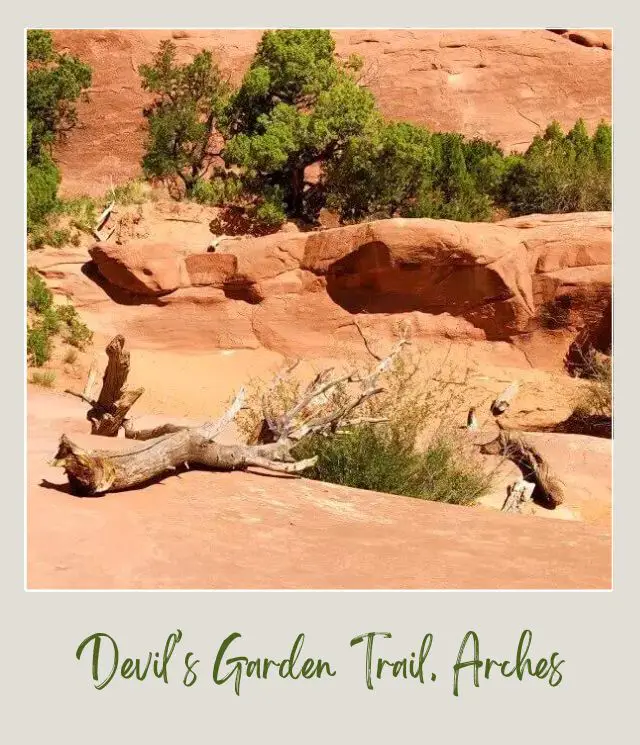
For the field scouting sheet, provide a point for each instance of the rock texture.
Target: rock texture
(243, 531)
(503, 85)
(586, 37)
(534, 282)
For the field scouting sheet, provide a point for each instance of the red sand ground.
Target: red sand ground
(239, 530)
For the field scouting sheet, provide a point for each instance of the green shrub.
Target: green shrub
(43, 178)
(401, 169)
(561, 173)
(59, 237)
(76, 332)
(217, 191)
(418, 451)
(38, 345)
(372, 457)
(49, 320)
(82, 211)
(271, 212)
(132, 192)
(39, 297)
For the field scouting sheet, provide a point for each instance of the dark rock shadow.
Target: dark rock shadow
(119, 296)
(368, 280)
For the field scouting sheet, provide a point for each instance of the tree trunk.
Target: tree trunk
(93, 472)
(297, 191)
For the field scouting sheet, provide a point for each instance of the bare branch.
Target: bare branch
(150, 434)
(105, 215)
(214, 428)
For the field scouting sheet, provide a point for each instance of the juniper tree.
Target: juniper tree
(189, 100)
(55, 82)
(297, 105)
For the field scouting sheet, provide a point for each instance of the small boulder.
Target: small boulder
(150, 269)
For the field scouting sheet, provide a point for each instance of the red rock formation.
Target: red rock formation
(535, 282)
(503, 85)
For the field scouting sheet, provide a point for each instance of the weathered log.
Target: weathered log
(512, 445)
(94, 472)
(313, 413)
(104, 216)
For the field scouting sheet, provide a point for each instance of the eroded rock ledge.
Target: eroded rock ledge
(536, 282)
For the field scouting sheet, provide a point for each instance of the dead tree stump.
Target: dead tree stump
(108, 413)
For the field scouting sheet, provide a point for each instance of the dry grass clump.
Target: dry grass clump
(405, 440)
(44, 378)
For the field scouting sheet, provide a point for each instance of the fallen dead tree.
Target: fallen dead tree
(548, 489)
(170, 447)
(327, 406)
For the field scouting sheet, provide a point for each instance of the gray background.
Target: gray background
(49, 695)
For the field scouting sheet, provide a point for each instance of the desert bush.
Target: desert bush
(417, 451)
(223, 188)
(189, 101)
(597, 398)
(75, 332)
(378, 458)
(70, 356)
(82, 212)
(39, 297)
(561, 173)
(43, 178)
(38, 345)
(44, 378)
(593, 408)
(47, 320)
(555, 313)
(270, 211)
(54, 84)
(131, 192)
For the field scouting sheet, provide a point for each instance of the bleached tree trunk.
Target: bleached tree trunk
(93, 472)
